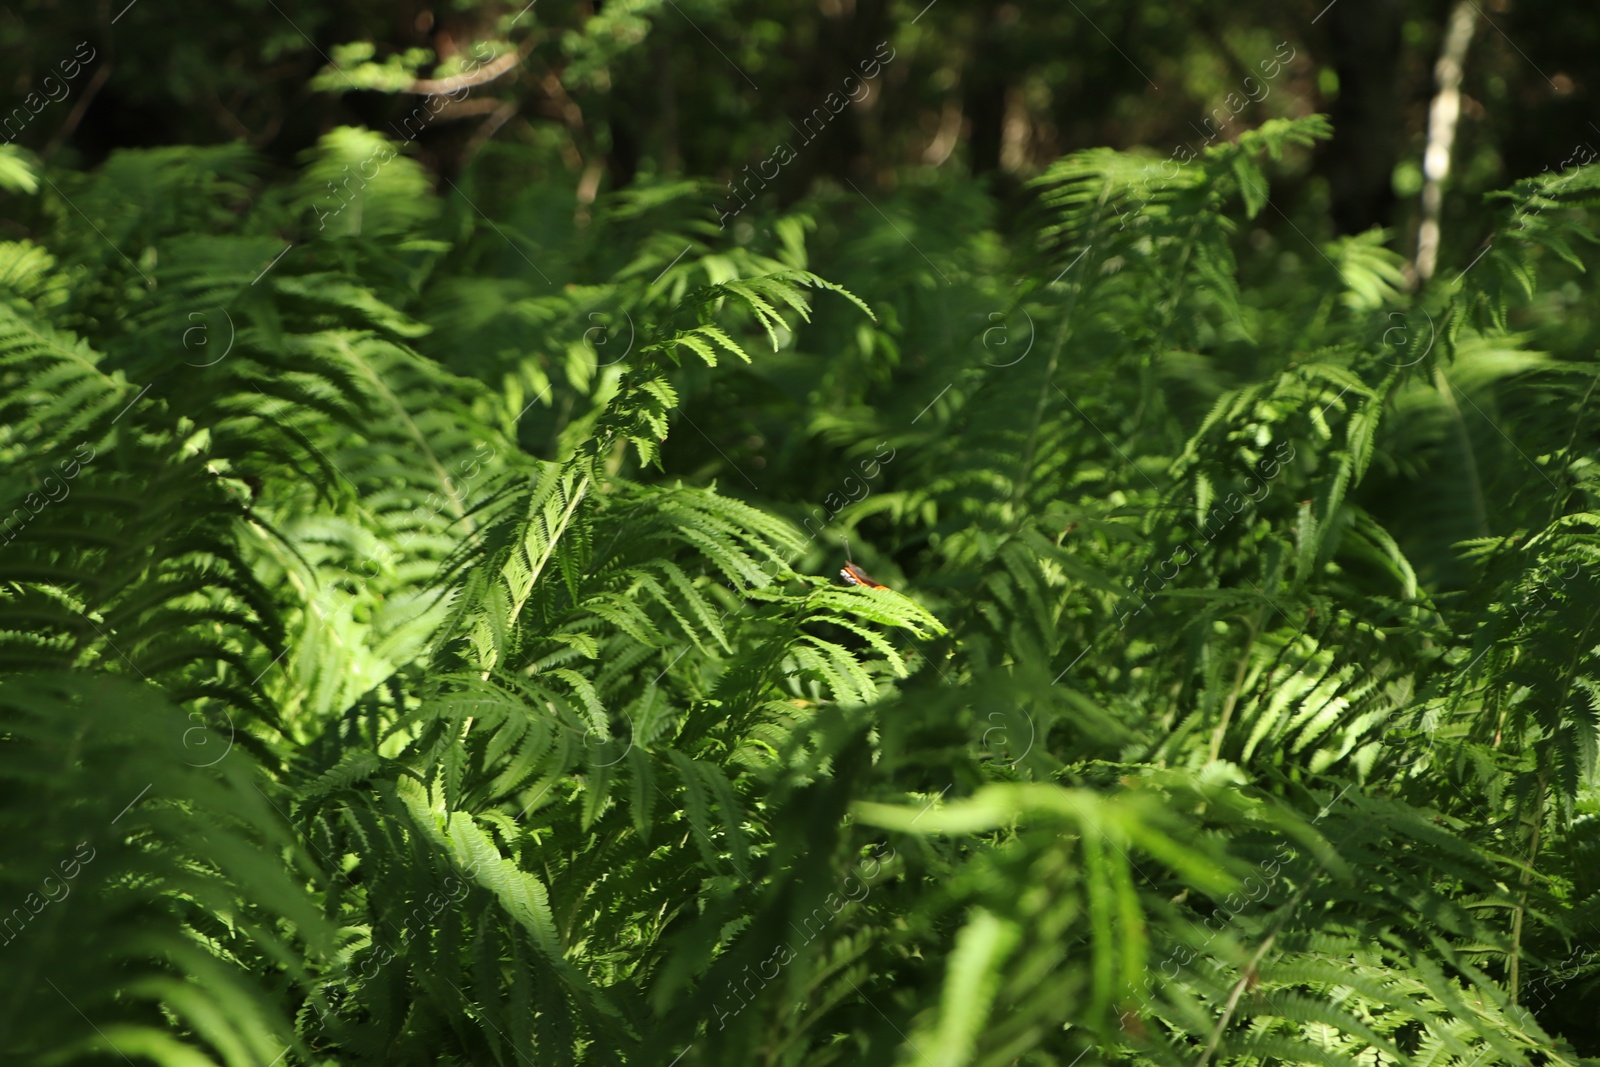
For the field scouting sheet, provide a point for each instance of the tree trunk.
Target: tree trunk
(1442, 116)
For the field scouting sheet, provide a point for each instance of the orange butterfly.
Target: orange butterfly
(856, 576)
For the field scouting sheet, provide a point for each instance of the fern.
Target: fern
(435, 685)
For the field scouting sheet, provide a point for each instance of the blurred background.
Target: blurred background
(888, 146)
(593, 98)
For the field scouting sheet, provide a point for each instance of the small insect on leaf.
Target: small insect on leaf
(856, 576)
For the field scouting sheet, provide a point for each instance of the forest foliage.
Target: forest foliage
(421, 638)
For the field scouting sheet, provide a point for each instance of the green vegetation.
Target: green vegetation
(421, 631)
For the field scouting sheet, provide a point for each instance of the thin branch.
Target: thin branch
(456, 110)
(486, 73)
(497, 118)
(76, 114)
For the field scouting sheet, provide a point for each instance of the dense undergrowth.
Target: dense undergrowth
(421, 641)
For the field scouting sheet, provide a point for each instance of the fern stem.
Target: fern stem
(1248, 976)
(1238, 684)
(539, 565)
(1583, 405)
(1514, 966)
(1025, 470)
(423, 444)
(1169, 310)
(1446, 392)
